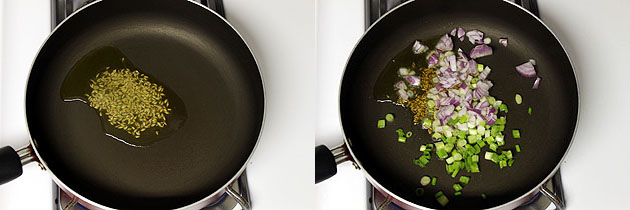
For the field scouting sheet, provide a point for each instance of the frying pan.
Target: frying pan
(388, 165)
(188, 48)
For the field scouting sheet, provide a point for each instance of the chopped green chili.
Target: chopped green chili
(434, 181)
(443, 200)
(458, 193)
(503, 108)
(518, 148)
(381, 124)
(425, 180)
(409, 133)
(457, 187)
(518, 98)
(402, 139)
(389, 117)
(529, 111)
(516, 134)
(438, 194)
(464, 179)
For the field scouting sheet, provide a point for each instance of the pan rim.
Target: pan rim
(515, 202)
(217, 192)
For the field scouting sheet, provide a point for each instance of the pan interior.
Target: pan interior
(545, 135)
(187, 48)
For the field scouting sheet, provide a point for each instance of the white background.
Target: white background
(595, 34)
(286, 34)
(282, 35)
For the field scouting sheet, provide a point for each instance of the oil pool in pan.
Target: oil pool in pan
(133, 106)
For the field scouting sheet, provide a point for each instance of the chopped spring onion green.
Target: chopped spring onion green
(458, 193)
(409, 134)
(503, 108)
(529, 111)
(434, 181)
(402, 139)
(419, 191)
(450, 160)
(518, 98)
(457, 187)
(516, 134)
(425, 180)
(518, 148)
(464, 179)
(389, 117)
(480, 67)
(438, 194)
(443, 200)
(381, 124)
(431, 103)
(483, 195)
(510, 162)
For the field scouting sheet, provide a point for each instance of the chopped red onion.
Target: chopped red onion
(460, 34)
(503, 41)
(433, 60)
(445, 43)
(419, 47)
(445, 112)
(480, 51)
(403, 94)
(474, 36)
(485, 73)
(400, 85)
(536, 83)
(453, 32)
(472, 66)
(413, 80)
(403, 71)
(532, 61)
(452, 62)
(526, 69)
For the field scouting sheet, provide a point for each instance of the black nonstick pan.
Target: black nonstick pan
(545, 135)
(187, 48)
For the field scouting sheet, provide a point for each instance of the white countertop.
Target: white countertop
(595, 36)
(282, 35)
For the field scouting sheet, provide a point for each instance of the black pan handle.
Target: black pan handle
(326, 161)
(10, 164)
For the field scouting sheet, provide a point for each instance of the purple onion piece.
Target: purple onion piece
(413, 80)
(503, 41)
(460, 33)
(400, 85)
(536, 83)
(419, 47)
(526, 69)
(433, 60)
(445, 43)
(474, 36)
(453, 32)
(483, 75)
(472, 66)
(403, 94)
(480, 51)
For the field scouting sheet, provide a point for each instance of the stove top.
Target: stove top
(374, 9)
(60, 9)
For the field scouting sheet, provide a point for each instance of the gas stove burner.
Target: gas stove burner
(538, 202)
(63, 8)
(63, 201)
